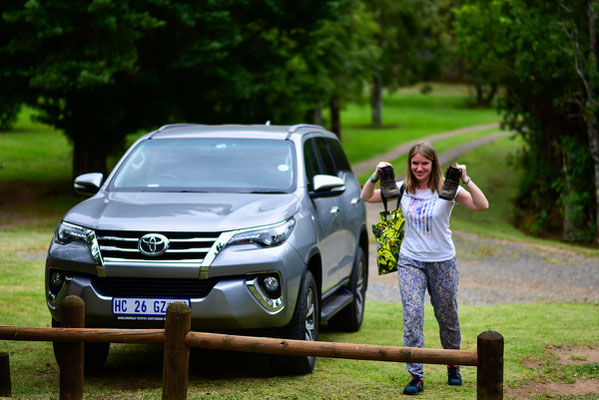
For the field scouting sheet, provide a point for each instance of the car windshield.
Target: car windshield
(202, 165)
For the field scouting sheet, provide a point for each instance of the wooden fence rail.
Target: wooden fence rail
(251, 344)
(178, 338)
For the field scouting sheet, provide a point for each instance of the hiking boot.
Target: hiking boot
(451, 183)
(415, 386)
(389, 187)
(453, 375)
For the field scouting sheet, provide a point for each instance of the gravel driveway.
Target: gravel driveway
(494, 272)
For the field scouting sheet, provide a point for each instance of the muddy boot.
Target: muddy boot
(388, 185)
(451, 183)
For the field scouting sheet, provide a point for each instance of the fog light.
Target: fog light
(56, 279)
(271, 283)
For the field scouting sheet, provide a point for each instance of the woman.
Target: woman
(427, 255)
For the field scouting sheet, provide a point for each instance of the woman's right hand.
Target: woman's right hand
(379, 166)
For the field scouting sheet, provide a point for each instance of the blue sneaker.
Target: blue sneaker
(415, 386)
(453, 375)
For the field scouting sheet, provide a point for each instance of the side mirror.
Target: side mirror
(327, 185)
(88, 184)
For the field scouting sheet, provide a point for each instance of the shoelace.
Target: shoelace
(453, 371)
(415, 381)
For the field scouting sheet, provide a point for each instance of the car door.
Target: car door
(326, 212)
(351, 211)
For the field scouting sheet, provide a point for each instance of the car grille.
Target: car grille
(185, 247)
(148, 287)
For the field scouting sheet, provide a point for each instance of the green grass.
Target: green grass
(491, 168)
(34, 155)
(408, 115)
(400, 163)
(35, 185)
(134, 371)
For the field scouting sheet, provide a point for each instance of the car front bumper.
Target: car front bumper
(237, 301)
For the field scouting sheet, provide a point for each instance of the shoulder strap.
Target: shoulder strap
(384, 202)
(401, 190)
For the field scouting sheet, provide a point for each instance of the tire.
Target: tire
(350, 318)
(303, 326)
(94, 354)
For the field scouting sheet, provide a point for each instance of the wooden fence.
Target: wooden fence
(178, 338)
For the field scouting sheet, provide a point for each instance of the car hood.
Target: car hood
(183, 212)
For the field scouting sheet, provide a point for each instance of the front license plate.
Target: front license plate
(142, 305)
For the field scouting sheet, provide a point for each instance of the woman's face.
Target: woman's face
(421, 168)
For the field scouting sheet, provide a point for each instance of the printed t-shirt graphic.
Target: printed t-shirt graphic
(420, 215)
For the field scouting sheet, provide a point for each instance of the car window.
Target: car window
(341, 163)
(326, 159)
(215, 164)
(311, 162)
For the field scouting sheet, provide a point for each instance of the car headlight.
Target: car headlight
(67, 232)
(270, 235)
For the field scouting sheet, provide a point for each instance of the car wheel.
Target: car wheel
(350, 318)
(94, 354)
(303, 326)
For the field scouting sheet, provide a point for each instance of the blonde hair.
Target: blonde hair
(425, 149)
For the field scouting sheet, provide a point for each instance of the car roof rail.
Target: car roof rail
(171, 126)
(294, 128)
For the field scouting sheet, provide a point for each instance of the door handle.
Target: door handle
(355, 201)
(334, 210)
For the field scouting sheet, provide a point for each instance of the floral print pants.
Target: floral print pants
(441, 280)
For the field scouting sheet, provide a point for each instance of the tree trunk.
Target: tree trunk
(491, 95)
(336, 117)
(317, 116)
(569, 211)
(592, 106)
(89, 154)
(593, 134)
(376, 100)
(484, 95)
(479, 93)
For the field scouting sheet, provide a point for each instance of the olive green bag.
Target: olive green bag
(389, 234)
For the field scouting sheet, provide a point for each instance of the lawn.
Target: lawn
(134, 371)
(408, 115)
(35, 192)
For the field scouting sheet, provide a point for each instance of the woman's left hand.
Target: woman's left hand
(463, 168)
(472, 198)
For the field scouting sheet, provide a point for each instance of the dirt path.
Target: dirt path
(368, 165)
(494, 271)
(497, 271)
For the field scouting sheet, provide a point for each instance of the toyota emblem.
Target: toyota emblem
(153, 244)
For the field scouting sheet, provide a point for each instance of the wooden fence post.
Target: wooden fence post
(489, 372)
(175, 368)
(5, 387)
(71, 353)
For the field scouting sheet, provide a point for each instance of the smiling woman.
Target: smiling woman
(427, 257)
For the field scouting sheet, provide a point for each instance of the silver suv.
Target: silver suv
(257, 228)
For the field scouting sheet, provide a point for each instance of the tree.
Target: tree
(581, 27)
(10, 79)
(341, 57)
(478, 41)
(536, 52)
(73, 57)
(104, 68)
(411, 46)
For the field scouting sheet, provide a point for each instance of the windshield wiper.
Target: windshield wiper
(268, 192)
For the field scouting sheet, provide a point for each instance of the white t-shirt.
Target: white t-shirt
(427, 235)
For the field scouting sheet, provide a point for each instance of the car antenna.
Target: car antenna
(267, 123)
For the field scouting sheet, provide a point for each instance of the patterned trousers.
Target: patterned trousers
(441, 280)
